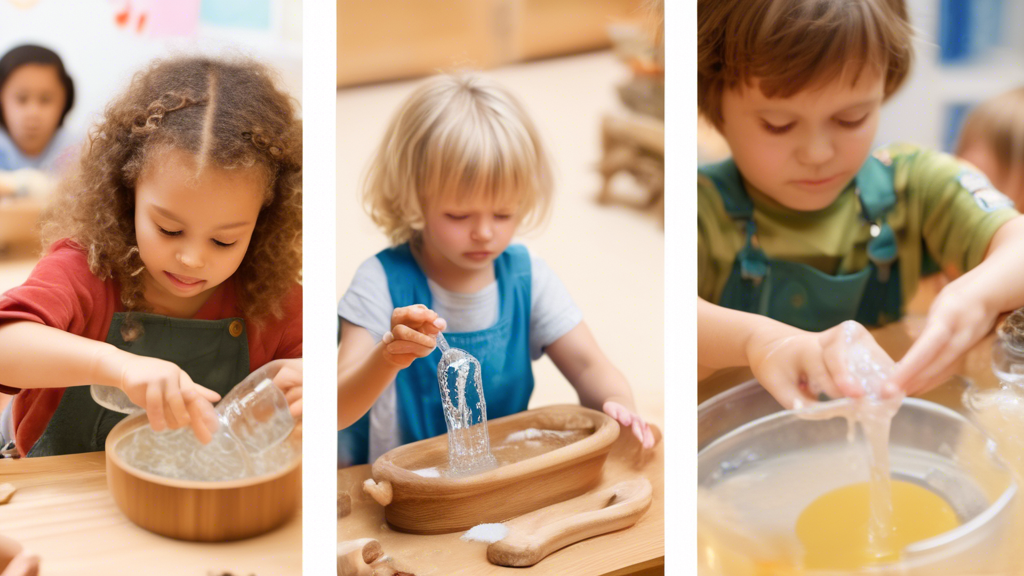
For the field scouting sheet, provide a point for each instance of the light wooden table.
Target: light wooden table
(64, 512)
(638, 550)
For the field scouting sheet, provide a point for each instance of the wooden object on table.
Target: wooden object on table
(380, 41)
(6, 491)
(355, 556)
(425, 505)
(344, 504)
(636, 551)
(64, 512)
(533, 536)
(200, 511)
(635, 144)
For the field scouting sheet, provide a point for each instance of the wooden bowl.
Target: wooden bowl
(425, 505)
(200, 511)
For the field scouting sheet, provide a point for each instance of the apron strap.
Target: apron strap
(882, 300)
(729, 183)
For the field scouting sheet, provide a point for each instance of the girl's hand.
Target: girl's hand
(289, 380)
(957, 320)
(170, 398)
(795, 365)
(628, 419)
(413, 334)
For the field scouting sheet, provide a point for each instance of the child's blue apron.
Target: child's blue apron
(503, 351)
(801, 295)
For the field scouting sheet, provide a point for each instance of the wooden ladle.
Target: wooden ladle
(531, 537)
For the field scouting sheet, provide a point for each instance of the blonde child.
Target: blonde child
(459, 172)
(173, 260)
(992, 139)
(805, 230)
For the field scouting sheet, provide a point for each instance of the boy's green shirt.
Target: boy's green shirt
(944, 206)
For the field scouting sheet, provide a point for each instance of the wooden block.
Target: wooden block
(344, 504)
(6, 491)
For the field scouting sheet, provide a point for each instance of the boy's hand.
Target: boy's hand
(171, 399)
(957, 320)
(795, 365)
(413, 334)
(628, 419)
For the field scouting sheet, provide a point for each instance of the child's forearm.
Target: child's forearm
(1000, 277)
(39, 356)
(595, 378)
(723, 335)
(361, 382)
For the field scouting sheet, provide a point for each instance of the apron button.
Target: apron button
(797, 300)
(235, 328)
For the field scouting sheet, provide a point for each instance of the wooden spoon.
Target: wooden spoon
(531, 537)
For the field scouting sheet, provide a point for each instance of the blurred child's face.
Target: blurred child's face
(802, 151)
(192, 230)
(33, 99)
(1007, 181)
(469, 234)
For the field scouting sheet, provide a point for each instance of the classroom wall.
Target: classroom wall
(103, 42)
(920, 111)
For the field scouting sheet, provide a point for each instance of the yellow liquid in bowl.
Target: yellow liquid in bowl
(834, 528)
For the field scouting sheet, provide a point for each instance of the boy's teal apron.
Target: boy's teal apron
(503, 351)
(214, 353)
(801, 295)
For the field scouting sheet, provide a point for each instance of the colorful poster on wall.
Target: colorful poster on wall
(159, 18)
(253, 14)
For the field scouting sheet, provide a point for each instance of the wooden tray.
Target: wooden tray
(200, 511)
(423, 505)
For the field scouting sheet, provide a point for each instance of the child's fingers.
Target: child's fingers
(155, 405)
(406, 334)
(204, 419)
(295, 408)
(200, 391)
(921, 354)
(938, 370)
(819, 380)
(416, 316)
(293, 394)
(648, 441)
(638, 429)
(176, 414)
(617, 411)
(288, 378)
(783, 387)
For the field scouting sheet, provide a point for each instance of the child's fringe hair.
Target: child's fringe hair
(790, 45)
(229, 113)
(458, 135)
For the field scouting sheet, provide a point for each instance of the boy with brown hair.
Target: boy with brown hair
(805, 234)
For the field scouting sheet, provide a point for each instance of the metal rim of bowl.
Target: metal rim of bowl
(961, 531)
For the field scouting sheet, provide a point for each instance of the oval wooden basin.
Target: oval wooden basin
(200, 511)
(437, 505)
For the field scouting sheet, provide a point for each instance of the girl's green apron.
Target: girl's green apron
(214, 353)
(801, 295)
(503, 351)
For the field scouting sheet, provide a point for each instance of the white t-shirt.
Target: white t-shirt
(367, 303)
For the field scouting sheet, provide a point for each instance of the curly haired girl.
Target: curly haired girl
(460, 170)
(174, 258)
